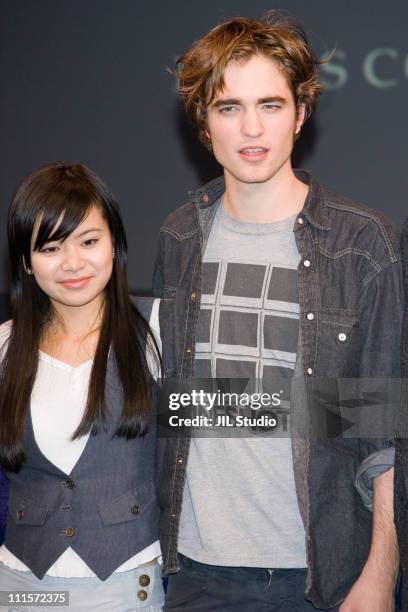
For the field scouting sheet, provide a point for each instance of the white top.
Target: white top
(57, 405)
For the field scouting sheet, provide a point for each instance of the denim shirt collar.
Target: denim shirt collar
(314, 209)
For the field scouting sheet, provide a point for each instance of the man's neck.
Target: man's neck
(281, 197)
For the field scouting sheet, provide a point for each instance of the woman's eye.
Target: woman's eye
(51, 249)
(90, 242)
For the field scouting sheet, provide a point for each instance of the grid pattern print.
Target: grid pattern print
(248, 324)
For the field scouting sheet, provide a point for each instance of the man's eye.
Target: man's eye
(226, 110)
(271, 106)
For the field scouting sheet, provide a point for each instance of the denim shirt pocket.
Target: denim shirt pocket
(338, 343)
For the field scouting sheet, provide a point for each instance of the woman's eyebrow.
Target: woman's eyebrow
(91, 229)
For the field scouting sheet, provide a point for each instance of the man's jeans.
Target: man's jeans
(210, 588)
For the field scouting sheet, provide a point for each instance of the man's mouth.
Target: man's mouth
(253, 151)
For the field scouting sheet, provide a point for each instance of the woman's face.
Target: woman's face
(75, 272)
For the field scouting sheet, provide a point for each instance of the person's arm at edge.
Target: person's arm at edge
(374, 590)
(382, 563)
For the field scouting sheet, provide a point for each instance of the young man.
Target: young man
(266, 276)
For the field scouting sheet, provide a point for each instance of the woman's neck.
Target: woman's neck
(76, 321)
(72, 334)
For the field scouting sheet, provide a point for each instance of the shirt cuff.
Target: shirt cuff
(374, 465)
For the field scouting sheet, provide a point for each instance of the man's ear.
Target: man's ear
(300, 118)
(206, 139)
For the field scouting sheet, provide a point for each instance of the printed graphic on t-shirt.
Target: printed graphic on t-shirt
(248, 324)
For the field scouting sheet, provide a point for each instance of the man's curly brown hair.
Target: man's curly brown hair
(200, 71)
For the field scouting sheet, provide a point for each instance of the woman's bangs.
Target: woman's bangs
(59, 221)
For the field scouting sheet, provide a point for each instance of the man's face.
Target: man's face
(253, 121)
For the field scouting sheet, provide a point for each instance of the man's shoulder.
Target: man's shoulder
(363, 227)
(359, 213)
(183, 221)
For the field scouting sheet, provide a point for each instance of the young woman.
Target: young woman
(76, 405)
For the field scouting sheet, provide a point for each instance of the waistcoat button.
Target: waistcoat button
(205, 198)
(70, 532)
(144, 580)
(135, 509)
(142, 595)
(20, 515)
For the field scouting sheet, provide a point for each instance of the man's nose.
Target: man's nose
(252, 124)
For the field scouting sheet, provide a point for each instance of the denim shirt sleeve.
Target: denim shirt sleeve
(157, 284)
(382, 316)
(374, 465)
(382, 310)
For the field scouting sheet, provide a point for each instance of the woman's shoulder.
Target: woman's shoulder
(144, 304)
(5, 331)
(154, 321)
(149, 309)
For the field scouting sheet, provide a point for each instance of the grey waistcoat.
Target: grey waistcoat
(105, 509)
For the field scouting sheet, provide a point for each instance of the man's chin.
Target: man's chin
(252, 179)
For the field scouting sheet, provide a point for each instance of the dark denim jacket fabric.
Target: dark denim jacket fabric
(350, 278)
(401, 443)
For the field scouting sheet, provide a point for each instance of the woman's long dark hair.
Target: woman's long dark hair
(60, 196)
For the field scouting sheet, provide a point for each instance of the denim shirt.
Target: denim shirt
(351, 307)
(401, 443)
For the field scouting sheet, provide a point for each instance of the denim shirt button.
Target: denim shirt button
(342, 337)
(180, 460)
(300, 221)
(306, 263)
(188, 349)
(309, 371)
(310, 316)
(205, 198)
(193, 296)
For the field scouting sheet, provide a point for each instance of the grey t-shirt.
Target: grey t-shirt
(239, 504)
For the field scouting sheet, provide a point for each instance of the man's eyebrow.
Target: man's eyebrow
(237, 101)
(226, 102)
(272, 99)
